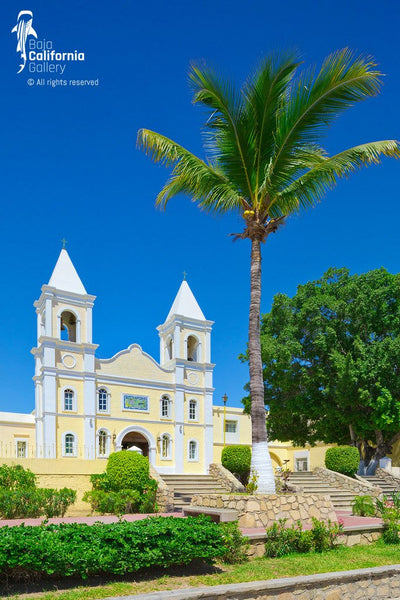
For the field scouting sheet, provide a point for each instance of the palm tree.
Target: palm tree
(264, 161)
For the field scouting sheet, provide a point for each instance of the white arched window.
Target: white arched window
(193, 412)
(103, 400)
(166, 443)
(69, 444)
(165, 407)
(103, 443)
(193, 450)
(69, 399)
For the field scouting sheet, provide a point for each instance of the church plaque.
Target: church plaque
(136, 402)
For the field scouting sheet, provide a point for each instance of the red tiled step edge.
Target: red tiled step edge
(349, 521)
(87, 520)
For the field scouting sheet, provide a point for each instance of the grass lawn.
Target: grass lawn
(342, 558)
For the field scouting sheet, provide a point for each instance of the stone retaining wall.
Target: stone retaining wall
(225, 478)
(347, 483)
(389, 477)
(165, 496)
(359, 584)
(262, 511)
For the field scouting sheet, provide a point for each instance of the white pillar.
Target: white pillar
(89, 409)
(179, 430)
(177, 345)
(48, 328)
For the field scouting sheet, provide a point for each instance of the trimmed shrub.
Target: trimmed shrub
(126, 486)
(100, 481)
(237, 460)
(20, 498)
(15, 476)
(127, 471)
(118, 548)
(343, 459)
(116, 503)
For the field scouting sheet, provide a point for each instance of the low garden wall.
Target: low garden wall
(225, 478)
(262, 511)
(389, 477)
(347, 483)
(365, 584)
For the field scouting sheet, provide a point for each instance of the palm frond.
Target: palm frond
(311, 187)
(211, 194)
(264, 92)
(314, 101)
(204, 183)
(226, 133)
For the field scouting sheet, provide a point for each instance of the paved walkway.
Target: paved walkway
(87, 520)
(349, 521)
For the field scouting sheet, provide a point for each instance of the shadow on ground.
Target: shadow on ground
(30, 583)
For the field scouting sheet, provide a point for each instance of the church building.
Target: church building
(87, 407)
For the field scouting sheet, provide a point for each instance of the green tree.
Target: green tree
(263, 161)
(331, 357)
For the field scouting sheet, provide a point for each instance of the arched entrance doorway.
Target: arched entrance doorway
(134, 438)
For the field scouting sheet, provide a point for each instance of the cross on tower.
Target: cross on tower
(184, 275)
(64, 243)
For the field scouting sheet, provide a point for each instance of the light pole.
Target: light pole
(224, 400)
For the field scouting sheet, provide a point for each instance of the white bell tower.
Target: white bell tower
(185, 345)
(64, 352)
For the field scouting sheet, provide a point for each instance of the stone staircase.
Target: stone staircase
(387, 488)
(186, 486)
(312, 484)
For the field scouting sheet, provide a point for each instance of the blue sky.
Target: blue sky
(69, 168)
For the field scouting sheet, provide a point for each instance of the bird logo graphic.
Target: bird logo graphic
(23, 28)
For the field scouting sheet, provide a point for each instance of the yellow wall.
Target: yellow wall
(10, 432)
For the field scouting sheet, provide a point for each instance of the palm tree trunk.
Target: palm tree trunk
(260, 458)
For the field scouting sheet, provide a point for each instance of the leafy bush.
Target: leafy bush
(20, 498)
(281, 540)
(117, 548)
(237, 460)
(127, 471)
(343, 459)
(116, 503)
(389, 510)
(126, 486)
(56, 502)
(234, 542)
(363, 506)
(100, 481)
(15, 476)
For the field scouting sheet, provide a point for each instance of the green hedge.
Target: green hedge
(343, 459)
(118, 548)
(237, 460)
